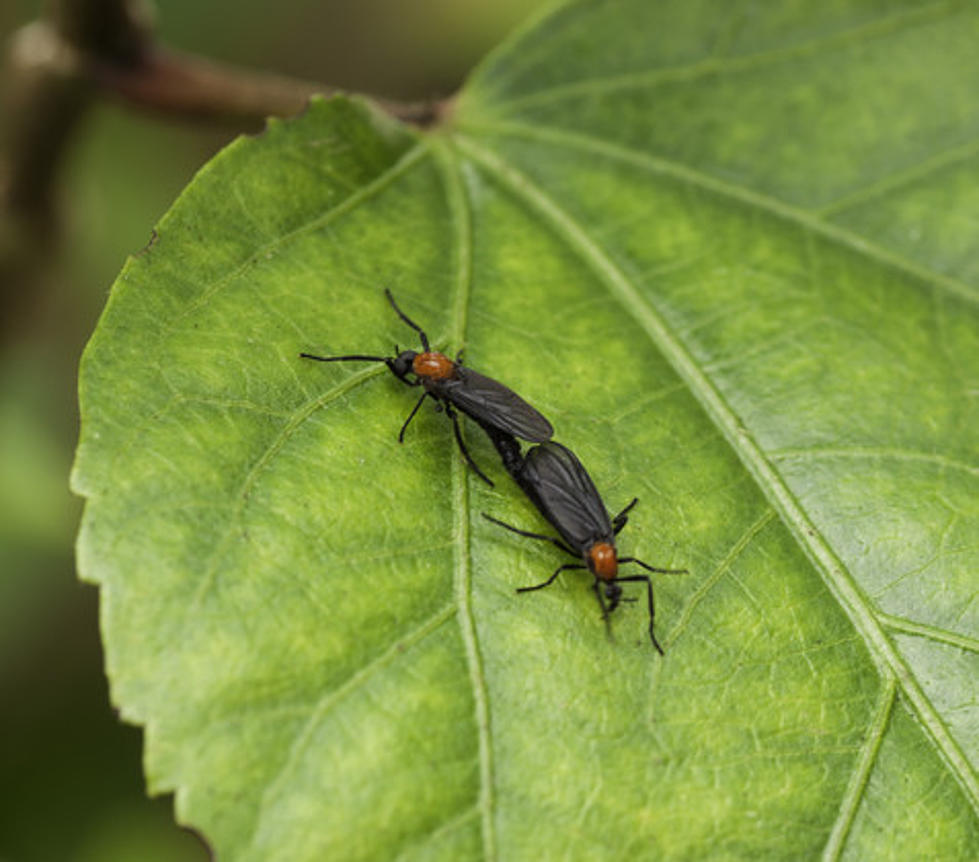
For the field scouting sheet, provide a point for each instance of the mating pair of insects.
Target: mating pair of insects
(549, 474)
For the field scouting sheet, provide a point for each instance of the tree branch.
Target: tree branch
(82, 49)
(183, 85)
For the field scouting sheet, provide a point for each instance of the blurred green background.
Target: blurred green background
(72, 784)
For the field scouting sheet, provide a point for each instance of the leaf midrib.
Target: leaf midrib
(461, 217)
(841, 584)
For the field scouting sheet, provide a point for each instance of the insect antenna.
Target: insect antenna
(650, 568)
(620, 520)
(354, 357)
(408, 320)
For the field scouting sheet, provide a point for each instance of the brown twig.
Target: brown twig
(183, 85)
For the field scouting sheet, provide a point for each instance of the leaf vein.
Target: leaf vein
(832, 570)
(816, 453)
(714, 65)
(454, 822)
(722, 567)
(377, 185)
(861, 773)
(899, 179)
(909, 627)
(329, 699)
(261, 463)
(787, 212)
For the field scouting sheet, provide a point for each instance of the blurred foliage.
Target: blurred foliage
(68, 761)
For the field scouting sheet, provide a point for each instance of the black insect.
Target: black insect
(508, 448)
(559, 486)
(491, 404)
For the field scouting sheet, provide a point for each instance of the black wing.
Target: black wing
(492, 403)
(559, 485)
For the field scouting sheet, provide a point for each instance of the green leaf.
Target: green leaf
(729, 251)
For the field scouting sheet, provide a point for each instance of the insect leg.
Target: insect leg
(550, 580)
(620, 520)
(650, 568)
(652, 607)
(597, 588)
(414, 410)
(557, 542)
(407, 319)
(462, 446)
